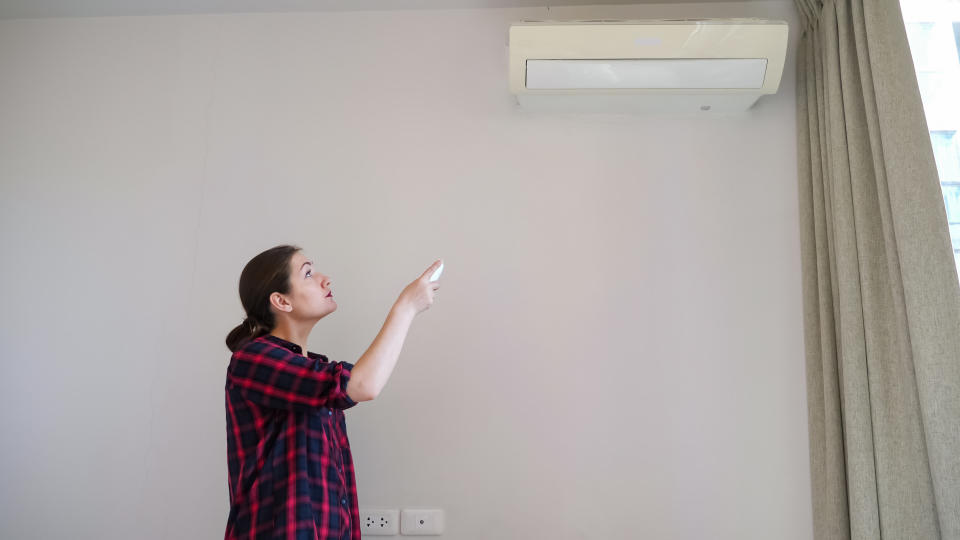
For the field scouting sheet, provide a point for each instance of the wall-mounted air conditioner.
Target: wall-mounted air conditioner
(695, 65)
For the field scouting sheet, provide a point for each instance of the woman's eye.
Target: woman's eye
(308, 273)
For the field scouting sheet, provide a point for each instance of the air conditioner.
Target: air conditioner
(701, 66)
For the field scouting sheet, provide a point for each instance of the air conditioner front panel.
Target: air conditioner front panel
(685, 73)
(571, 57)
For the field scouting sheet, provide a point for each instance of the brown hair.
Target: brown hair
(265, 274)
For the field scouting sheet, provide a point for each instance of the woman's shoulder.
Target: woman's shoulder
(254, 344)
(277, 349)
(259, 347)
(317, 356)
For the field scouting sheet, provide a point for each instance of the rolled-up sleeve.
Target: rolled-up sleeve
(275, 377)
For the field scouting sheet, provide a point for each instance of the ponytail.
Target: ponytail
(243, 333)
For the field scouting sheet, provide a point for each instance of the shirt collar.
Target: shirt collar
(294, 347)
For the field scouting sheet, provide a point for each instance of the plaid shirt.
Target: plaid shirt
(291, 470)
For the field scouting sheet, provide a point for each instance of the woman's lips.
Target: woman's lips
(329, 294)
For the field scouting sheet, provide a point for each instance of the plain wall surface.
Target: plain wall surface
(616, 351)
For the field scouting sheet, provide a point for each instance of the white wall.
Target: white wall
(616, 352)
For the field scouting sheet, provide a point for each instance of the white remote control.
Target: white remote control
(436, 273)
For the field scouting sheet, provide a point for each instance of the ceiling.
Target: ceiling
(23, 9)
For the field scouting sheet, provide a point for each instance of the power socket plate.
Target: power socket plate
(379, 522)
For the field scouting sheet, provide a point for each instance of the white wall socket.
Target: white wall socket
(374, 522)
(421, 522)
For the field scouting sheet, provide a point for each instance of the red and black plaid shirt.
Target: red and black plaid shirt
(291, 470)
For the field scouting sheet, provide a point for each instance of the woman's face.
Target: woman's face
(310, 293)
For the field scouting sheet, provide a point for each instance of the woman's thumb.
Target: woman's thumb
(433, 267)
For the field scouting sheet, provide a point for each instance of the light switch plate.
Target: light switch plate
(421, 522)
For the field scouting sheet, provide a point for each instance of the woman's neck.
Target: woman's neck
(297, 334)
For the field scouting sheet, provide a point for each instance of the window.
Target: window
(956, 35)
(946, 150)
(933, 30)
(920, 34)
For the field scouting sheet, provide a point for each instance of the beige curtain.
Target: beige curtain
(881, 295)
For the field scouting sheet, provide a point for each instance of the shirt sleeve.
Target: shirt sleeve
(275, 377)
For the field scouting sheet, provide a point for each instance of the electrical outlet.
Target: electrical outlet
(421, 522)
(375, 522)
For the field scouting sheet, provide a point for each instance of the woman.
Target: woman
(291, 470)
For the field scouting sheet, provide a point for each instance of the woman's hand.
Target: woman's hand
(418, 296)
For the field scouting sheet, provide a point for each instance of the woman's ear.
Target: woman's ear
(280, 303)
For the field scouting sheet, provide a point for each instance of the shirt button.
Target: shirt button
(343, 502)
(329, 413)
